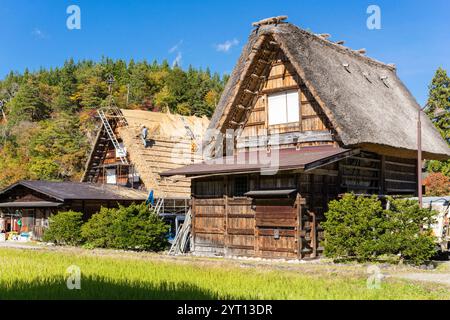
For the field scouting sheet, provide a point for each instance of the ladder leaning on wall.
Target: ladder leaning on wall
(181, 242)
(109, 130)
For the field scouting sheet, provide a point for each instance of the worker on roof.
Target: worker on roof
(144, 134)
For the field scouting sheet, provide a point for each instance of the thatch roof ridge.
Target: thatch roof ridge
(363, 98)
(345, 49)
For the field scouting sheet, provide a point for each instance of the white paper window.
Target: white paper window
(111, 176)
(122, 151)
(283, 107)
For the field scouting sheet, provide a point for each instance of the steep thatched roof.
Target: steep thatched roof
(364, 99)
(165, 124)
(169, 147)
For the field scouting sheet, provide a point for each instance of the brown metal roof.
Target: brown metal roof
(63, 191)
(261, 161)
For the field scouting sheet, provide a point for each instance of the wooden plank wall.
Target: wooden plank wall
(226, 224)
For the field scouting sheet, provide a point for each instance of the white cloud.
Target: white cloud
(227, 45)
(39, 34)
(177, 61)
(176, 47)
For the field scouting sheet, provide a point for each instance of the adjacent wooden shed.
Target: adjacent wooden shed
(34, 201)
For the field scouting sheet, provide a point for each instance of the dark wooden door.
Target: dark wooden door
(276, 227)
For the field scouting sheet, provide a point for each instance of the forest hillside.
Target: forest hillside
(50, 114)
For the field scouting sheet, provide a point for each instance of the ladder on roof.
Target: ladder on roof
(188, 129)
(112, 136)
(181, 242)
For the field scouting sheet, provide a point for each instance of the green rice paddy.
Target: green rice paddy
(41, 274)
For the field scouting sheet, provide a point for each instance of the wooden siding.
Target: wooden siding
(225, 224)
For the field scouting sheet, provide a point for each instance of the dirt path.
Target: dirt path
(441, 278)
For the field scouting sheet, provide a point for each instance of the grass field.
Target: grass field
(41, 274)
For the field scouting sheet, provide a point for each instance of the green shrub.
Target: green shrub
(352, 227)
(127, 228)
(358, 227)
(408, 231)
(65, 228)
(97, 231)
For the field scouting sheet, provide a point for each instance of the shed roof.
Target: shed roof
(260, 161)
(63, 191)
(364, 99)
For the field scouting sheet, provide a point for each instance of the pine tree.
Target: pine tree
(438, 109)
(67, 87)
(28, 103)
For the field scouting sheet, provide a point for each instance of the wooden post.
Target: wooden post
(193, 223)
(225, 225)
(299, 227)
(419, 159)
(314, 234)
(383, 175)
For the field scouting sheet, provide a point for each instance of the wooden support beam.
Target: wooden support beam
(250, 92)
(299, 227)
(383, 175)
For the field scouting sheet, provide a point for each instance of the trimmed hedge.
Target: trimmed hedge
(359, 227)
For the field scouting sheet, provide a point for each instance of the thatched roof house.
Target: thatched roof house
(171, 143)
(302, 120)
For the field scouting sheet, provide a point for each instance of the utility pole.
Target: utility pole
(110, 81)
(128, 94)
(419, 158)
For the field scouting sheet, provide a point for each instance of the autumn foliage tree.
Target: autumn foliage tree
(437, 184)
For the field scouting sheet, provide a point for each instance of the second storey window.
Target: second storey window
(283, 107)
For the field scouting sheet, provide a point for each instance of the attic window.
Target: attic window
(283, 107)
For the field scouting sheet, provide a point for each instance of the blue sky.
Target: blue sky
(415, 35)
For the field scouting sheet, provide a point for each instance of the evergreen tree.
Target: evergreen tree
(438, 109)
(67, 87)
(28, 104)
